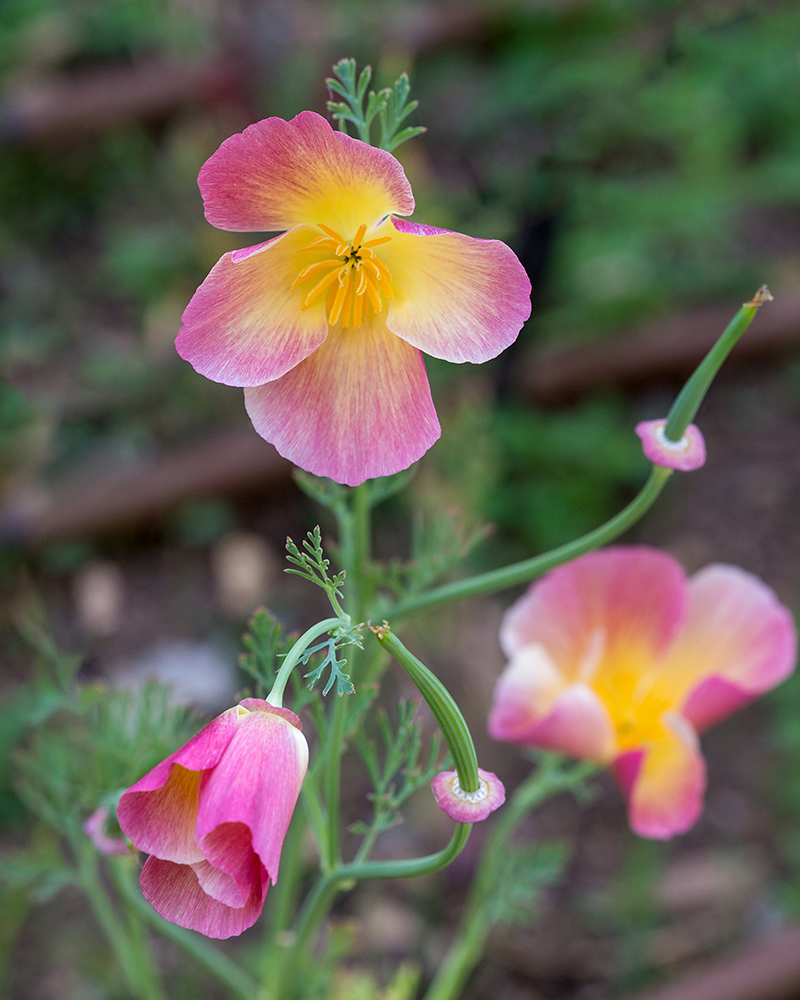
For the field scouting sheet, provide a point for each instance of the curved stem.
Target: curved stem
(685, 407)
(205, 954)
(467, 948)
(321, 897)
(275, 697)
(451, 722)
(522, 572)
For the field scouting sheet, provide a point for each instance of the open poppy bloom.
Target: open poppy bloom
(213, 816)
(324, 324)
(617, 657)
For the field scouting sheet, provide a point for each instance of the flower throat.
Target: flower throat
(354, 274)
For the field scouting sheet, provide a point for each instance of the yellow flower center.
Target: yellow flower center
(351, 275)
(634, 691)
(636, 701)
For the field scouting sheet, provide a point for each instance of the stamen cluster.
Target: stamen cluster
(354, 273)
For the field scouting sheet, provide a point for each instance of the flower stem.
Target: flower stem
(467, 949)
(135, 962)
(451, 722)
(528, 569)
(685, 407)
(226, 971)
(355, 529)
(320, 898)
(275, 697)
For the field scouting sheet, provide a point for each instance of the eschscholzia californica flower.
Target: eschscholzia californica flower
(213, 816)
(617, 657)
(324, 325)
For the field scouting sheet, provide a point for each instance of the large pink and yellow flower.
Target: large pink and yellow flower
(324, 325)
(213, 816)
(617, 657)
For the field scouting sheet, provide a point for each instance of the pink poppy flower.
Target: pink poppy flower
(617, 657)
(324, 325)
(213, 815)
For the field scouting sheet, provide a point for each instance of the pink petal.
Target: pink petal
(228, 850)
(664, 781)
(685, 455)
(245, 325)
(468, 807)
(256, 783)
(524, 694)
(174, 892)
(358, 408)
(606, 607)
(219, 885)
(576, 722)
(277, 174)
(738, 642)
(455, 297)
(159, 812)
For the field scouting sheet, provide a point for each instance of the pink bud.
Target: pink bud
(685, 455)
(468, 807)
(95, 830)
(213, 817)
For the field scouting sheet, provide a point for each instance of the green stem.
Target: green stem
(275, 697)
(685, 407)
(226, 971)
(321, 897)
(447, 713)
(362, 554)
(333, 781)
(522, 572)
(139, 975)
(467, 949)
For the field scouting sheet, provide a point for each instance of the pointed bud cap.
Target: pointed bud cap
(685, 455)
(468, 807)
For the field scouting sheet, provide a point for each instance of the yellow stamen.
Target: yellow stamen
(347, 308)
(374, 296)
(354, 273)
(332, 232)
(307, 272)
(338, 302)
(383, 269)
(317, 290)
(358, 308)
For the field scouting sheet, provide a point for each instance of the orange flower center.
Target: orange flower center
(349, 277)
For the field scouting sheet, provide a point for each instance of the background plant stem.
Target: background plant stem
(466, 951)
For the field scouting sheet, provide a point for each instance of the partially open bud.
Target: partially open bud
(96, 830)
(468, 807)
(687, 454)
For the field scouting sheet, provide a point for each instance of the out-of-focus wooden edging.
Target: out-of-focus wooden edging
(666, 349)
(97, 502)
(768, 969)
(94, 503)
